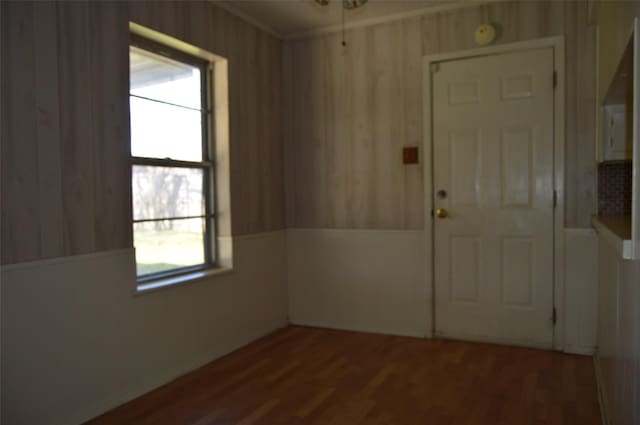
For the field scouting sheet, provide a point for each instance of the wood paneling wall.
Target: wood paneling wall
(347, 114)
(580, 128)
(65, 123)
(352, 110)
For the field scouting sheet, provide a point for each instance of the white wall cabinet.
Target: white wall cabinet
(617, 108)
(616, 146)
(620, 132)
(618, 335)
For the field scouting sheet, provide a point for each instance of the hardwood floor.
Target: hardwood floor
(316, 376)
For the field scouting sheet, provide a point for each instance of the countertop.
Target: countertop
(617, 230)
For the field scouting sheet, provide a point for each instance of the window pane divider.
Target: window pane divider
(168, 162)
(189, 217)
(164, 102)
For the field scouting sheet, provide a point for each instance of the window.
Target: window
(172, 173)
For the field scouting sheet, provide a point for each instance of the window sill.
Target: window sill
(184, 279)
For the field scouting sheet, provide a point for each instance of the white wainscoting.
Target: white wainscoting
(361, 280)
(376, 281)
(581, 290)
(618, 359)
(76, 341)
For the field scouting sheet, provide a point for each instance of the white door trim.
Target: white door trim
(557, 44)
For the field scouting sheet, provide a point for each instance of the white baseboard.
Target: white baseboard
(580, 350)
(359, 328)
(492, 340)
(602, 399)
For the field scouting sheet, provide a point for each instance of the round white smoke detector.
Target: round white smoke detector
(485, 34)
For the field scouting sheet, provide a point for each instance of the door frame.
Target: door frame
(557, 43)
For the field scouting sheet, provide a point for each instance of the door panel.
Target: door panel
(464, 167)
(517, 163)
(517, 263)
(465, 259)
(493, 157)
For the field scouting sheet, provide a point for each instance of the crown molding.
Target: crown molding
(227, 7)
(429, 10)
(330, 29)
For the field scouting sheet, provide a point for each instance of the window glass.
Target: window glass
(171, 179)
(157, 77)
(169, 244)
(166, 108)
(167, 192)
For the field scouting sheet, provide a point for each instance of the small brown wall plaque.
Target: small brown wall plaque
(410, 155)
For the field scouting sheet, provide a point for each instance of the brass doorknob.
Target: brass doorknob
(441, 213)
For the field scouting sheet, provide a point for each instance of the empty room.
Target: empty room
(324, 212)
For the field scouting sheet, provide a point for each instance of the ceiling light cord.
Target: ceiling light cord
(346, 5)
(344, 42)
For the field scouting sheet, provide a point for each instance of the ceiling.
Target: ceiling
(290, 18)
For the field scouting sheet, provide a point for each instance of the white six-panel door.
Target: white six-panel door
(493, 177)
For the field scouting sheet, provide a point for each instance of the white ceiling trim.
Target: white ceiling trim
(429, 10)
(248, 19)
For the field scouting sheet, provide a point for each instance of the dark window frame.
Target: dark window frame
(207, 165)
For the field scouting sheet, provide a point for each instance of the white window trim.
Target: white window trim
(219, 139)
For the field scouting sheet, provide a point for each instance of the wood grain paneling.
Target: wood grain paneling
(351, 110)
(354, 108)
(20, 206)
(65, 132)
(76, 115)
(287, 131)
(580, 171)
(108, 56)
(47, 98)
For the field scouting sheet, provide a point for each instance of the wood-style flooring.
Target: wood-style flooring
(316, 376)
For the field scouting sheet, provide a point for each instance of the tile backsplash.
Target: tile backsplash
(614, 188)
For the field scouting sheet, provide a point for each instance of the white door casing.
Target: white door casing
(493, 155)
